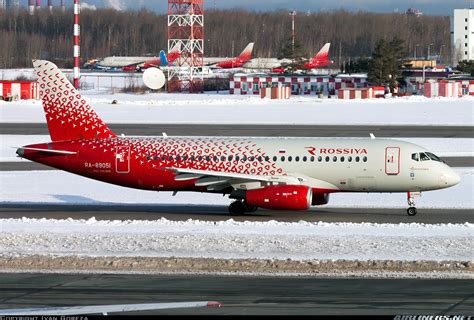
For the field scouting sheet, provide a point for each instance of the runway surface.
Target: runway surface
(243, 295)
(219, 213)
(264, 130)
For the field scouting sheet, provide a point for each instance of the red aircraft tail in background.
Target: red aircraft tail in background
(237, 62)
(320, 59)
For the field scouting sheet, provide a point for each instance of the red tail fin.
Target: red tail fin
(246, 54)
(68, 115)
(322, 55)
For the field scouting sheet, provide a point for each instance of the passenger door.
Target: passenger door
(122, 159)
(392, 160)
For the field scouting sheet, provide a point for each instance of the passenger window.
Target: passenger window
(192, 158)
(297, 159)
(207, 158)
(170, 158)
(147, 158)
(320, 158)
(244, 158)
(327, 159)
(424, 157)
(216, 159)
(334, 159)
(200, 158)
(304, 159)
(290, 158)
(349, 159)
(364, 159)
(267, 158)
(342, 159)
(162, 158)
(222, 158)
(282, 158)
(415, 156)
(251, 158)
(312, 159)
(177, 158)
(237, 158)
(185, 158)
(357, 159)
(275, 158)
(229, 158)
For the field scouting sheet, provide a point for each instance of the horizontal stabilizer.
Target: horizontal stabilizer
(20, 151)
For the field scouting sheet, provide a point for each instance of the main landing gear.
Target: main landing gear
(411, 211)
(239, 207)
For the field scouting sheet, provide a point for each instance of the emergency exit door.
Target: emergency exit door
(122, 159)
(392, 160)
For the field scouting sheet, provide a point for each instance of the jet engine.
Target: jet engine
(281, 197)
(319, 199)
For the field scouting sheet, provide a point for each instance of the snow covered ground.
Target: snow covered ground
(236, 109)
(65, 188)
(443, 147)
(236, 240)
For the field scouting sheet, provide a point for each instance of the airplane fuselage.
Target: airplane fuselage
(326, 165)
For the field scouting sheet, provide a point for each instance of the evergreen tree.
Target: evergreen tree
(466, 66)
(387, 60)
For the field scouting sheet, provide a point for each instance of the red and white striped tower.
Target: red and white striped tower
(31, 6)
(77, 49)
(186, 29)
(38, 4)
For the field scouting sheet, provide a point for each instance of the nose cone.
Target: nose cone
(449, 178)
(453, 179)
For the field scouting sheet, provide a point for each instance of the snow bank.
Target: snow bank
(235, 109)
(237, 240)
(66, 188)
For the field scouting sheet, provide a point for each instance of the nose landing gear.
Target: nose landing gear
(411, 211)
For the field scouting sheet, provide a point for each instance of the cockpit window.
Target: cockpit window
(415, 156)
(424, 156)
(433, 157)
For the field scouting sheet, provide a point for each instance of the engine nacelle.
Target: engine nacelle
(282, 197)
(319, 198)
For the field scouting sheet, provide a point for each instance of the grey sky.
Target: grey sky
(431, 7)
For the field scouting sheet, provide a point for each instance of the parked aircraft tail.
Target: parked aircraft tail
(68, 115)
(322, 54)
(163, 59)
(174, 53)
(246, 54)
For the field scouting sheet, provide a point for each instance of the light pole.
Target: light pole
(441, 53)
(293, 14)
(429, 46)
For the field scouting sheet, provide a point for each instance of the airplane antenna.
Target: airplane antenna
(372, 136)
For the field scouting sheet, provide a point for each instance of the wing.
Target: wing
(105, 309)
(217, 181)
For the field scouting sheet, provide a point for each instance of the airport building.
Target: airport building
(9, 4)
(463, 34)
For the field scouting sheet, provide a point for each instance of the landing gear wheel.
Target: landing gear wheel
(250, 208)
(237, 208)
(411, 211)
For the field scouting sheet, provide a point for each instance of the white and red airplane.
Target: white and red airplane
(272, 173)
(236, 62)
(319, 60)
